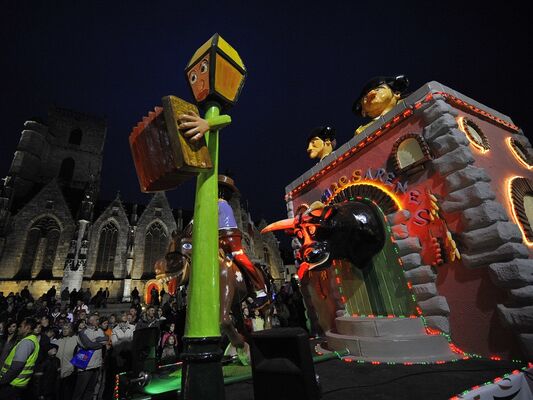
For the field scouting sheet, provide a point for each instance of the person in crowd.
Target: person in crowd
(19, 365)
(25, 312)
(86, 296)
(160, 315)
(9, 339)
(73, 298)
(133, 315)
(51, 294)
(258, 323)
(80, 307)
(66, 348)
(148, 319)
(112, 321)
(106, 298)
(170, 332)
(121, 340)
(90, 338)
(134, 294)
(56, 313)
(169, 353)
(45, 382)
(65, 296)
(25, 293)
(136, 303)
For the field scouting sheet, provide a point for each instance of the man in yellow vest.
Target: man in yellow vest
(20, 363)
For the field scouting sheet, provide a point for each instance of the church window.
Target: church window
(40, 249)
(155, 248)
(107, 249)
(66, 171)
(266, 255)
(75, 137)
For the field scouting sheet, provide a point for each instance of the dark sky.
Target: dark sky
(306, 64)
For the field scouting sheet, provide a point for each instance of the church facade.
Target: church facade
(54, 230)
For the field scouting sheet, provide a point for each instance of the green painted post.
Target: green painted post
(203, 312)
(202, 376)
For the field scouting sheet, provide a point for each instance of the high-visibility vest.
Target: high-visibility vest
(24, 376)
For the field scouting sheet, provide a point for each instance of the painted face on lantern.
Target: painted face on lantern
(199, 79)
(379, 100)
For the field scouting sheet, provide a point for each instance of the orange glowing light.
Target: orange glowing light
(513, 211)
(516, 155)
(382, 187)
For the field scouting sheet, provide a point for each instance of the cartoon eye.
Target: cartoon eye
(187, 246)
(311, 229)
(193, 78)
(203, 67)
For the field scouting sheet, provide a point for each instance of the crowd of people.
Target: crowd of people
(65, 346)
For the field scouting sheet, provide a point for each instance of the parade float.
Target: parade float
(450, 181)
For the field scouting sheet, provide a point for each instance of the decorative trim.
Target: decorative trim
(406, 114)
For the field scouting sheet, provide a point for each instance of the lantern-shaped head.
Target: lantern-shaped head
(216, 72)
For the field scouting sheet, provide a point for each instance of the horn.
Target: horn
(279, 225)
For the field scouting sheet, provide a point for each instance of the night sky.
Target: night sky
(306, 64)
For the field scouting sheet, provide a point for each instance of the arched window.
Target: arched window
(410, 151)
(155, 248)
(107, 250)
(40, 249)
(474, 134)
(521, 192)
(66, 171)
(75, 137)
(266, 255)
(520, 152)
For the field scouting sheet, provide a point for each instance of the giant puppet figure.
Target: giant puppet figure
(173, 144)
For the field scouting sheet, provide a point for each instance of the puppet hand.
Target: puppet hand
(195, 126)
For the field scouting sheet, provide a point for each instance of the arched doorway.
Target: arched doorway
(148, 289)
(379, 289)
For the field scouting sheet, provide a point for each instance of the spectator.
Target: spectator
(134, 294)
(51, 294)
(121, 339)
(80, 307)
(148, 319)
(133, 315)
(112, 321)
(20, 363)
(170, 332)
(258, 323)
(64, 296)
(25, 294)
(9, 339)
(66, 349)
(86, 296)
(106, 297)
(90, 338)
(55, 315)
(45, 380)
(73, 298)
(169, 354)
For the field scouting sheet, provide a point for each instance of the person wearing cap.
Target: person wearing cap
(321, 142)
(379, 95)
(230, 237)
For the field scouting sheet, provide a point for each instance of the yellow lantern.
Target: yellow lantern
(216, 72)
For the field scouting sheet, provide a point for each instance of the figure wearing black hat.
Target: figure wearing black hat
(379, 95)
(321, 142)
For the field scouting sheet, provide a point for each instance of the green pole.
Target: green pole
(202, 376)
(203, 311)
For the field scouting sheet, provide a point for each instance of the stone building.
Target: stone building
(452, 181)
(54, 230)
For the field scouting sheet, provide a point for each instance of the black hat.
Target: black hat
(396, 83)
(323, 132)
